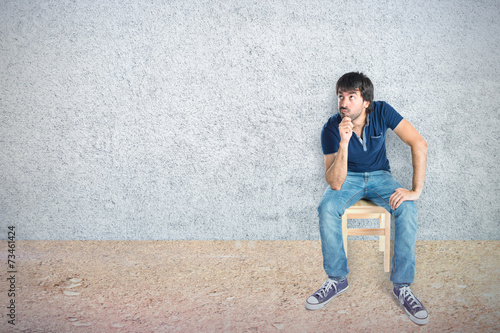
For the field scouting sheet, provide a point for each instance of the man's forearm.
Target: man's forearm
(336, 174)
(419, 161)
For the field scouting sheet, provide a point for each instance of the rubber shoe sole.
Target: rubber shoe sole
(322, 305)
(419, 321)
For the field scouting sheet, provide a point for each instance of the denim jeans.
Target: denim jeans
(377, 187)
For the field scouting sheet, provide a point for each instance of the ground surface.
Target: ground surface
(235, 286)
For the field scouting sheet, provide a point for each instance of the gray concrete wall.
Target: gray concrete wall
(202, 119)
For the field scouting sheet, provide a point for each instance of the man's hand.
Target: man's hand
(401, 195)
(345, 130)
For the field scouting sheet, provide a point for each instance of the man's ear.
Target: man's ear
(366, 104)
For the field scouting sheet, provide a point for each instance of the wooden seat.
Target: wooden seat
(365, 209)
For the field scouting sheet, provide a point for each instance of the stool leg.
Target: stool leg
(387, 251)
(381, 246)
(344, 232)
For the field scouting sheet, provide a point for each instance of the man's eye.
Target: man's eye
(352, 97)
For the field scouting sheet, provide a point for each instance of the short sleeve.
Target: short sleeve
(329, 140)
(392, 117)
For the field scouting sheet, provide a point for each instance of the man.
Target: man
(356, 167)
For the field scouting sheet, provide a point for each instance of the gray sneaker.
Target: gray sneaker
(326, 293)
(413, 308)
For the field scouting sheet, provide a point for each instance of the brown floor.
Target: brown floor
(241, 286)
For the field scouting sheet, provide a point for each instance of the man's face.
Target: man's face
(351, 104)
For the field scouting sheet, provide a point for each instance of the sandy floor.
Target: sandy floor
(235, 286)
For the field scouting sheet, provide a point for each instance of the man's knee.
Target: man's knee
(406, 216)
(406, 207)
(330, 206)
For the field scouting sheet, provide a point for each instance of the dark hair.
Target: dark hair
(357, 80)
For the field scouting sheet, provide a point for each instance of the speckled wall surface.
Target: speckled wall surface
(202, 119)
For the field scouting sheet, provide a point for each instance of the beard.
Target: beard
(350, 114)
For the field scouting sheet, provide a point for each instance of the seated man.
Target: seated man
(356, 167)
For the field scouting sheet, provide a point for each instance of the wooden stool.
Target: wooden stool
(365, 209)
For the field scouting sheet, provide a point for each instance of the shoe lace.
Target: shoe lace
(406, 294)
(326, 287)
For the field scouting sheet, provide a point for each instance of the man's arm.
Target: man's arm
(336, 169)
(409, 135)
(336, 164)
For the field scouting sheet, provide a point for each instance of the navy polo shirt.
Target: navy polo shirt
(367, 154)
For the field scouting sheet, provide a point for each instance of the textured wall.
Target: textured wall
(201, 120)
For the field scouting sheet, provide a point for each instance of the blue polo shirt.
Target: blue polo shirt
(367, 154)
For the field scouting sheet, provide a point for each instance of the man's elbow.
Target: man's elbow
(336, 186)
(420, 145)
(423, 145)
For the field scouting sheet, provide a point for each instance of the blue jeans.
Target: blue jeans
(377, 187)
